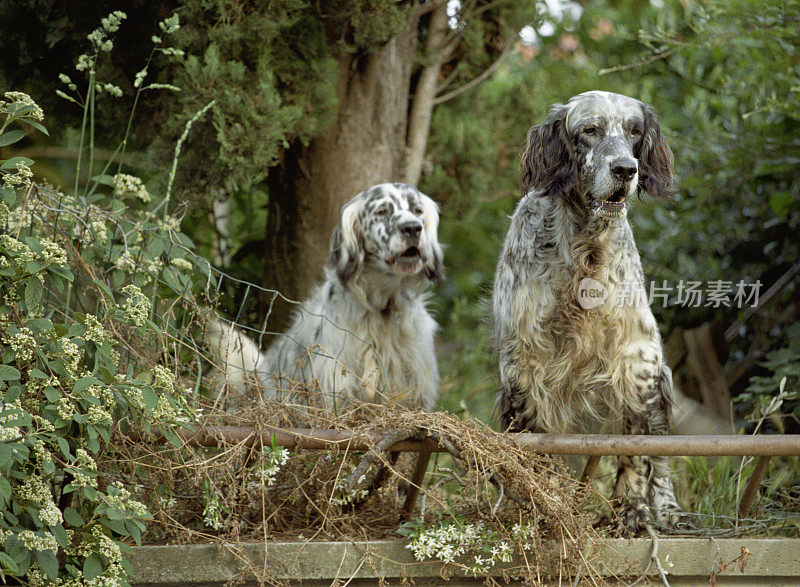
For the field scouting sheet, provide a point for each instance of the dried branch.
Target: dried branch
(361, 468)
(477, 80)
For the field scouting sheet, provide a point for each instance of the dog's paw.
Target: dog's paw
(679, 521)
(633, 517)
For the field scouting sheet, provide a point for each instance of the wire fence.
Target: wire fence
(114, 246)
(119, 246)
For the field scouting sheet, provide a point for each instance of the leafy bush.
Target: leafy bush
(82, 357)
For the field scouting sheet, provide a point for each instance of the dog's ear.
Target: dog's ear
(655, 158)
(346, 248)
(548, 162)
(434, 268)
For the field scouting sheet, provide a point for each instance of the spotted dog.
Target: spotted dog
(570, 362)
(365, 334)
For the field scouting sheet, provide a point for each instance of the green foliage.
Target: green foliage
(269, 70)
(714, 487)
(66, 387)
(783, 376)
(725, 84)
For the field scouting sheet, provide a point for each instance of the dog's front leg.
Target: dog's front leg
(644, 492)
(647, 412)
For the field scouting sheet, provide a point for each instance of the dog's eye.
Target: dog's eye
(590, 130)
(418, 211)
(381, 212)
(636, 131)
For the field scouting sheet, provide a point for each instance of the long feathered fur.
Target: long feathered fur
(565, 366)
(365, 334)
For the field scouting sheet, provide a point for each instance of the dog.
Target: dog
(569, 363)
(365, 334)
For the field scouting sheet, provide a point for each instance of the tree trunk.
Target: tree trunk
(419, 123)
(365, 146)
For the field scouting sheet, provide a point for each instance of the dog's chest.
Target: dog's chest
(386, 358)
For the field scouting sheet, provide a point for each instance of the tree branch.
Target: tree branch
(475, 81)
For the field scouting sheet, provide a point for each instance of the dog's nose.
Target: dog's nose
(410, 228)
(624, 168)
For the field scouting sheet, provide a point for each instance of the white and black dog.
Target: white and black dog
(365, 335)
(569, 364)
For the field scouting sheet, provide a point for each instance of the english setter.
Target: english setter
(365, 334)
(579, 348)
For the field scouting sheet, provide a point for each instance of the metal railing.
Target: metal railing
(594, 446)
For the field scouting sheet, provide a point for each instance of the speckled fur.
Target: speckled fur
(563, 368)
(365, 334)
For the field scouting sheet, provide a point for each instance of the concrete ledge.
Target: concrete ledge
(774, 561)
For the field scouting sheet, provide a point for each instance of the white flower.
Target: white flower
(23, 99)
(170, 25)
(182, 264)
(22, 177)
(94, 330)
(22, 343)
(129, 185)
(36, 541)
(50, 514)
(137, 306)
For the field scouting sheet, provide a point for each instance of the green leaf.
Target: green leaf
(115, 525)
(38, 374)
(93, 445)
(9, 194)
(10, 137)
(85, 383)
(33, 293)
(134, 531)
(72, 517)
(34, 266)
(781, 203)
(6, 458)
(52, 394)
(5, 489)
(48, 563)
(38, 126)
(9, 373)
(104, 288)
(12, 163)
(64, 446)
(22, 556)
(149, 396)
(115, 514)
(92, 567)
(173, 438)
(8, 566)
(61, 535)
(104, 179)
(75, 571)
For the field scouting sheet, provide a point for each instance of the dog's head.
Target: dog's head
(600, 148)
(391, 228)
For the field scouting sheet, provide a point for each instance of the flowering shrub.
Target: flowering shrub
(479, 547)
(70, 377)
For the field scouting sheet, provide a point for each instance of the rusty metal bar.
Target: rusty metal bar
(590, 468)
(417, 476)
(753, 484)
(607, 444)
(574, 444)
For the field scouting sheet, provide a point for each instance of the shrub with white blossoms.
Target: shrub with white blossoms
(213, 509)
(476, 547)
(264, 473)
(64, 388)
